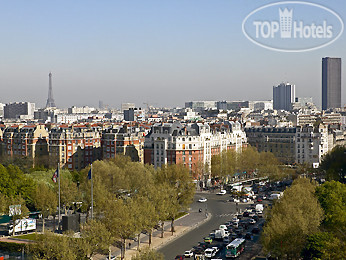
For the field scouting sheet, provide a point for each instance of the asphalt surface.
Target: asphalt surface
(221, 211)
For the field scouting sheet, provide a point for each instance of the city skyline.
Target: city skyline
(121, 52)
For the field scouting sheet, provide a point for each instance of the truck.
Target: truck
(22, 225)
(220, 234)
(259, 208)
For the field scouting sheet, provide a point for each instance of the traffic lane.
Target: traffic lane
(221, 211)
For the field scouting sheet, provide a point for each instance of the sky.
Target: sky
(163, 53)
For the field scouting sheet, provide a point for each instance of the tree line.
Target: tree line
(129, 198)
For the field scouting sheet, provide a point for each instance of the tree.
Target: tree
(50, 246)
(295, 216)
(148, 255)
(324, 245)
(3, 204)
(68, 190)
(332, 197)
(94, 238)
(334, 164)
(45, 200)
(181, 188)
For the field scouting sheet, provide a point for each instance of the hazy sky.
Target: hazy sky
(163, 52)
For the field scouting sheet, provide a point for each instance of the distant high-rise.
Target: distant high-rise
(50, 99)
(331, 83)
(284, 96)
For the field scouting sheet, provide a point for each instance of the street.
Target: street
(221, 211)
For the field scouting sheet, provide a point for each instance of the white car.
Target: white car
(252, 221)
(202, 200)
(210, 252)
(221, 192)
(188, 254)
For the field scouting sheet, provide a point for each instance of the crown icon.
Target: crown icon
(285, 22)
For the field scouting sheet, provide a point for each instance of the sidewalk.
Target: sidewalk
(181, 225)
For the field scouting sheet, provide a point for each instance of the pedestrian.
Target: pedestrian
(129, 245)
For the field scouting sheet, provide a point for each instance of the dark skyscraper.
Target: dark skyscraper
(283, 96)
(50, 99)
(331, 83)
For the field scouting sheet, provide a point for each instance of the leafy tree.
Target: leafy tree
(334, 164)
(332, 197)
(95, 238)
(45, 200)
(3, 204)
(295, 216)
(50, 246)
(181, 188)
(148, 255)
(7, 186)
(324, 245)
(68, 190)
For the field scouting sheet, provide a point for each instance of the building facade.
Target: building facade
(28, 141)
(278, 140)
(126, 140)
(22, 110)
(74, 147)
(192, 144)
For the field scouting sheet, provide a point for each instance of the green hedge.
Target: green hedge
(11, 247)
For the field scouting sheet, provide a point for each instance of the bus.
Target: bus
(235, 248)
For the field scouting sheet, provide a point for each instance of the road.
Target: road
(221, 212)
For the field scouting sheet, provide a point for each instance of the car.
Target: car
(226, 240)
(246, 214)
(188, 254)
(210, 252)
(202, 245)
(179, 257)
(252, 221)
(212, 235)
(208, 240)
(235, 220)
(233, 235)
(112, 258)
(224, 227)
(255, 230)
(221, 192)
(259, 199)
(248, 235)
(244, 200)
(202, 200)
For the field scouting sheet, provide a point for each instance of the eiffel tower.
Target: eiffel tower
(50, 99)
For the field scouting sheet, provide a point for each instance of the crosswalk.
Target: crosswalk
(225, 215)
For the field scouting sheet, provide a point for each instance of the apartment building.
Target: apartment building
(25, 141)
(278, 140)
(126, 140)
(312, 142)
(192, 144)
(75, 146)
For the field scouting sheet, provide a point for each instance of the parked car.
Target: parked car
(179, 257)
(246, 214)
(202, 200)
(252, 221)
